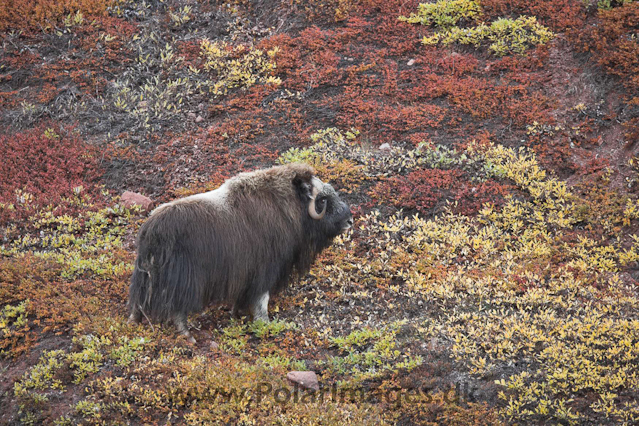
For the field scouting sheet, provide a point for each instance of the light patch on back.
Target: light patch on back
(217, 197)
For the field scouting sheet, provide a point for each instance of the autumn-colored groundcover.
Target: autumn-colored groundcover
(488, 150)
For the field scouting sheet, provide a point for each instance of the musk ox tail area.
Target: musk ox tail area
(164, 282)
(137, 293)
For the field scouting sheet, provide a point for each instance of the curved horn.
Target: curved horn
(311, 206)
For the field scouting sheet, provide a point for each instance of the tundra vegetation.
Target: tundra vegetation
(488, 151)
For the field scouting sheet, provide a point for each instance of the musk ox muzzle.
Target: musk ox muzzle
(238, 243)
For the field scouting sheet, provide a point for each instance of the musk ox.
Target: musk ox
(238, 243)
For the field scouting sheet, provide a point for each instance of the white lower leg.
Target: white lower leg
(259, 309)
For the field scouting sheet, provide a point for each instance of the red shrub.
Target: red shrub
(428, 190)
(612, 39)
(46, 162)
(28, 14)
(471, 197)
(558, 14)
(423, 190)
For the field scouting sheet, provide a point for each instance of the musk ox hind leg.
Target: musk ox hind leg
(238, 313)
(259, 308)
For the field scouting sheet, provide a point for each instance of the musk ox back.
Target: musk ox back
(238, 243)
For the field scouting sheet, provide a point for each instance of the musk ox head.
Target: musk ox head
(238, 243)
(332, 215)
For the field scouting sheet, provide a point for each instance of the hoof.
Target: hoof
(134, 319)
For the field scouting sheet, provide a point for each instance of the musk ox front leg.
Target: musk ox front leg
(136, 315)
(179, 319)
(259, 308)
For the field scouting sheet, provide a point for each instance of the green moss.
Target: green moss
(356, 339)
(237, 66)
(36, 386)
(89, 410)
(283, 362)
(609, 4)
(128, 351)
(63, 421)
(297, 155)
(234, 337)
(42, 375)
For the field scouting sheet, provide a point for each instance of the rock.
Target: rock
(306, 379)
(199, 119)
(433, 344)
(385, 147)
(130, 199)
(214, 346)
(191, 115)
(627, 279)
(411, 62)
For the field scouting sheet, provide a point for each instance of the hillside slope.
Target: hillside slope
(488, 150)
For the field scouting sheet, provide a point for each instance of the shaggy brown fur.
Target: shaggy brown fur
(238, 243)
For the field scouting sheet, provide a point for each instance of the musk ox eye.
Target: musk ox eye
(320, 204)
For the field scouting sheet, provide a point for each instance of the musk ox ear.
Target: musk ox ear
(304, 189)
(302, 176)
(307, 192)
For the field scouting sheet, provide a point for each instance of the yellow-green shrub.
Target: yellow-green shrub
(444, 13)
(505, 35)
